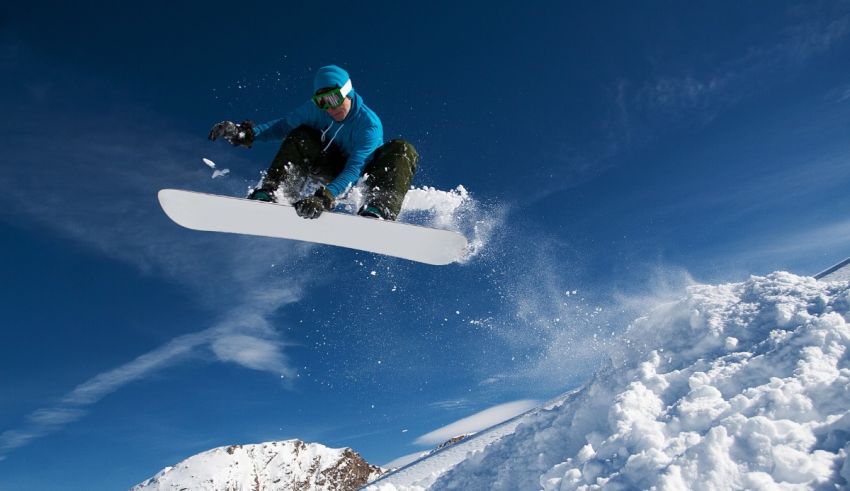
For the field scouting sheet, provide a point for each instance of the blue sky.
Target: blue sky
(620, 151)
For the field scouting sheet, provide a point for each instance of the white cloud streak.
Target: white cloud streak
(102, 186)
(477, 422)
(224, 341)
(251, 352)
(73, 405)
(830, 241)
(452, 404)
(808, 35)
(107, 382)
(244, 338)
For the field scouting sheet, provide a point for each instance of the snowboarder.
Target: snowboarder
(335, 138)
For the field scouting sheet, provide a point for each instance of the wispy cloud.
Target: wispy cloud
(831, 236)
(702, 93)
(829, 241)
(99, 188)
(251, 352)
(670, 97)
(452, 404)
(698, 94)
(751, 194)
(261, 350)
(73, 405)
(843, 94)
(477, 422)
(819, 27)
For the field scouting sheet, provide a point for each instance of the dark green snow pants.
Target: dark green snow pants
(390, 170)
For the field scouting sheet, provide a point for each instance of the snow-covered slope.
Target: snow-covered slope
(272, 466)
(736, 386)
(423, 472)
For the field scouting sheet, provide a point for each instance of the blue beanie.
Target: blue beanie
(330, 76)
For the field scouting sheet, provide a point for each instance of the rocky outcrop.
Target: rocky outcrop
(290, 465)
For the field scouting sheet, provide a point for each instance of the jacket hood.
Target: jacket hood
(331, 76)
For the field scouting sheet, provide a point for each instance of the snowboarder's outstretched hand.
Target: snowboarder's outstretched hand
(241, 134)
(313, 206)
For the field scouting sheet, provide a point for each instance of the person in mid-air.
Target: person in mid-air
(334, 138)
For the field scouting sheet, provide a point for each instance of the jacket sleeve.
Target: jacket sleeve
(370, 141)
(277, 129)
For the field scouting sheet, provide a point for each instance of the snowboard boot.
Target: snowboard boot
(263, 194)
(370, 211)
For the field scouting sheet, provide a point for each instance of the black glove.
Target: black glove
(313, 206)
(237, 134)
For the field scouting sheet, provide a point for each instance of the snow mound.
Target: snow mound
(736, 386)
(290, 464)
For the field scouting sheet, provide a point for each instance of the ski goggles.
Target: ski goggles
(332, 98)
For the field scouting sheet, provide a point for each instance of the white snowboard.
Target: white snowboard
(212, 213)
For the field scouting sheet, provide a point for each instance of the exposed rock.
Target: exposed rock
(274, 466)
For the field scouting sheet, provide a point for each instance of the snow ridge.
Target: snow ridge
(735, 386)
(284, 465)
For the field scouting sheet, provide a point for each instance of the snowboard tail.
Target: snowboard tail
(214, 213)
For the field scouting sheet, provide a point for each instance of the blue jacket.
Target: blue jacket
(359, 135)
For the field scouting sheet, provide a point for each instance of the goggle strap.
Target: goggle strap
(346, 88)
